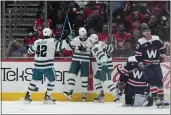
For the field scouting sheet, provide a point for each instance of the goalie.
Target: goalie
(133, 85)
(101, 52)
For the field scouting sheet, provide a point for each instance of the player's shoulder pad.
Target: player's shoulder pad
(132, 59)
(76, 38)
(142, 40)
(155, 38)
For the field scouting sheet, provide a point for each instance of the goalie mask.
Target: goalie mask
(146, 32)
(82, 33)
(93, 38)
(133, 62)
(47, 32)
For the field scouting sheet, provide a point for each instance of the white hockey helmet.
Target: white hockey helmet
(47, 32)
(82, 33)
(93, 38)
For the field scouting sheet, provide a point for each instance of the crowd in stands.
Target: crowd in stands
(94, 16)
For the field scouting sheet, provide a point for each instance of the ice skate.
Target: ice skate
(83, 96)
(27, 99)
(68, 95)
(99, 98)
(48, 100)
(162, 104)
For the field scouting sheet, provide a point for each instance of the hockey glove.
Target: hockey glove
(120, 86)
(141, 65)
(27, 47)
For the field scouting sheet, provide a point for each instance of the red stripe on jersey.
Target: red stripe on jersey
(135, 83)
(138, 52)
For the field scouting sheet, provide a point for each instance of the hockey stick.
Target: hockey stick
(60, 39)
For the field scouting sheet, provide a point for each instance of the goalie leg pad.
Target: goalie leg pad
(139, 100)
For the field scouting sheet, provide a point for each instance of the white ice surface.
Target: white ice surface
(18, 107)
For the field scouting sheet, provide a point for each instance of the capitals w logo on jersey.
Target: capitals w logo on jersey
(137, 74)
(152, 53)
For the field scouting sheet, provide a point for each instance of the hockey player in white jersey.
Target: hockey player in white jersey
(102, 52)
(80, 62)
(44, 50)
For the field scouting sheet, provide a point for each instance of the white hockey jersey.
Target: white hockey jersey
(44, 50)
(82, 49)
(100, 52)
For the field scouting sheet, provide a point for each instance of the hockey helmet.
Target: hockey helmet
(93, 38)
(133, 62)
(82, 33)
(47, 32)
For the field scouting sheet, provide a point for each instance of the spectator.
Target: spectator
(57, 18)
(136, 35)
(29, 39)
(153, 22)
(121, 37)
(140, 6)
(79, 22)
(39, 25)
(103, 36)
(163, 29)
(16, 50)
(128, 50)
(114, 29)
(57, 32)
(88, 10)
(134, 21)
(95, 21)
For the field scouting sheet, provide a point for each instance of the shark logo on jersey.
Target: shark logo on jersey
(137, 74)
(82, 48)
(152, 54)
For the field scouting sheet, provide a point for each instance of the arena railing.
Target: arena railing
(67, 58)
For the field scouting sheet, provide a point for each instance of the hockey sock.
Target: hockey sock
(160, 93)
(50, 87)
(110, 85)
(84, 84)
(71, 81)
(98, 85)
(153, 91)
(32, 87)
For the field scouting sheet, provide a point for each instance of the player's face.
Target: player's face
(84, 37)
(147, 34)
